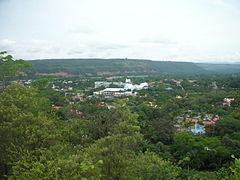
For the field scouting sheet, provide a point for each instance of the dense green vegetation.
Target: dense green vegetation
(46, 134)
(92, 67)
(221, 68)
(113, 66)
(9, 68)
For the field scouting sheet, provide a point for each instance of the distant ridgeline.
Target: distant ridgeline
(93, 67)
(221, 68)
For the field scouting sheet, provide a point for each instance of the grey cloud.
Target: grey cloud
(34, 50)
(91, 55)
(109, 46)
(7, 45)
(172, 57)
(81, 29)
(51, 50)
(188, 29)
(95, 48)
(106, 46)
(75, 51)
(158, 40)
(7, 42)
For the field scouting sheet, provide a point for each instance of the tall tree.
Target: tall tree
(9, 67)
(26, 124)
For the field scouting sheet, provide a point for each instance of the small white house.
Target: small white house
(128, 81)
(112, 91)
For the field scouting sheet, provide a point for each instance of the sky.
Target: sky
(169, 30)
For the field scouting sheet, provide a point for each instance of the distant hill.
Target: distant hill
(113, 67)
(220, 68)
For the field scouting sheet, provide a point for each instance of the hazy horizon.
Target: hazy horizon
(191, 31)
(94, 58)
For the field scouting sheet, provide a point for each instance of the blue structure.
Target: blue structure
(197, 129)
(169, 89)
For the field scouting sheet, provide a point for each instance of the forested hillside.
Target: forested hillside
(114, 66)
(220, 68)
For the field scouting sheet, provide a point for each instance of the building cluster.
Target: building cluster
(212, 121)
(177, 81)
(188, 118)
(25, 82)
(68, 88)
(107, 84)
(63, 85)
(207, 121)
(124, 89)
(227, 101)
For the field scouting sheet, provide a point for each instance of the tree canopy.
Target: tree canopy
(9, 67)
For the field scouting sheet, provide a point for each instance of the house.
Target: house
(197, 129)
(79, 112)
(212, 122)
(214, 85)
(192, 81)
(227, 101)
(178, 97)
(112, 92)
(128, 81)
(56, 107)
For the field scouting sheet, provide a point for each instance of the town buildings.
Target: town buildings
(127, 88)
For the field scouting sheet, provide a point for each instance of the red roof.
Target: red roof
(56, 107)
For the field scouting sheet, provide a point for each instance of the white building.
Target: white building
(101, 83)
(107, 84)
(128, 81)
(127, 89)
(115, 92)
(136, 87)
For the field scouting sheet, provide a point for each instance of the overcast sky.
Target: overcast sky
(176, 30)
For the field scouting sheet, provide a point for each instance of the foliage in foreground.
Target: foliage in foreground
(36, 145)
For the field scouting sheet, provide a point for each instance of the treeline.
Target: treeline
(37, 144)
(221, 68)
(113, 66)
(103, 143)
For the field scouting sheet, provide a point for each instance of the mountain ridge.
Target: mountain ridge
(98, 66)
(124, 66)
